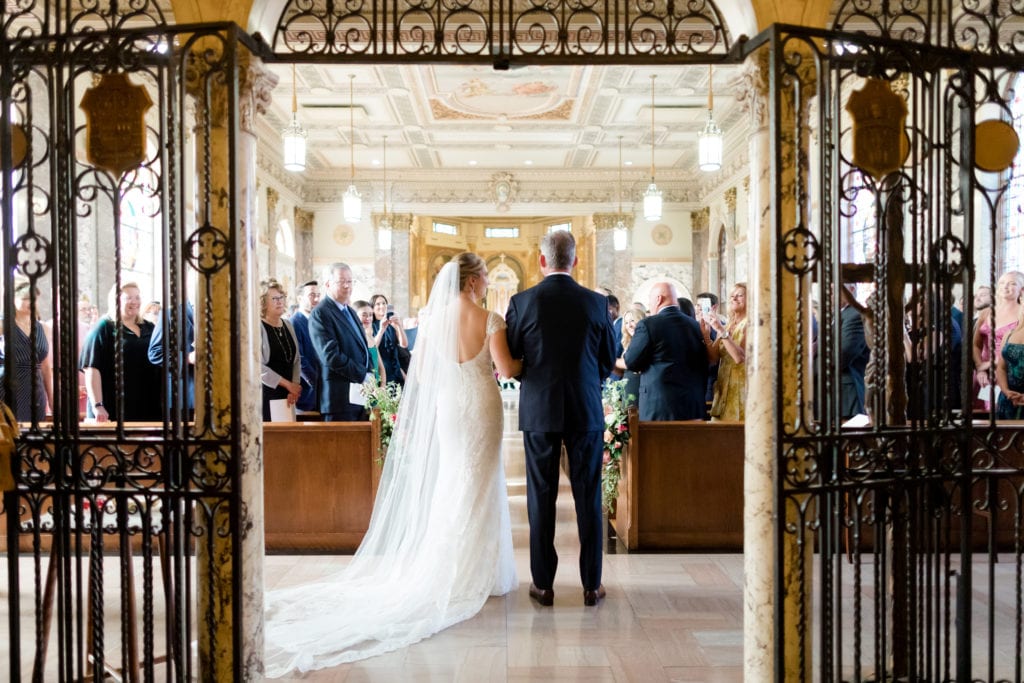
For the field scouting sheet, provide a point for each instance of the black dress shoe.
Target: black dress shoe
(590, 598)
(546, 598)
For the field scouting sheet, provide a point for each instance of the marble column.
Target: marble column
(613, 269)
(772, 372)
(391, 266)
(227, 229)
(267, 232)
(303, 246)
(760, 444)
(699, 246)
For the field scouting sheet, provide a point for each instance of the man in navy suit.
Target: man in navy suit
(157, 351)
(340, 344)
(668, 350)
(564, 336)
(309, 402)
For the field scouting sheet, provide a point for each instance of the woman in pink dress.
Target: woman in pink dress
(1006, 311)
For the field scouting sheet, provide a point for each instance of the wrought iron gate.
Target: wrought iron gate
(899, 544)
(123, 538)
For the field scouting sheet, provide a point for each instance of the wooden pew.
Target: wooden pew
(681, 486)
(320, 481)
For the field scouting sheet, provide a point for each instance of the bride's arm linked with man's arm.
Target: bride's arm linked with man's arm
(507, 366)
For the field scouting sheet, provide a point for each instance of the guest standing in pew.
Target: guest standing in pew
(629, 321)
(29, 362)
(365, 312)
(855, 355)
(141, 380)
(308, 405)
(388, 336)
(340, 345)
(729, 351)
(668, 352)
(158, 344)
(280, 365)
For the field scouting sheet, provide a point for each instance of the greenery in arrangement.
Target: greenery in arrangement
(385, 399)
(616, 436)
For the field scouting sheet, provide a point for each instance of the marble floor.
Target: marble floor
(667, 617)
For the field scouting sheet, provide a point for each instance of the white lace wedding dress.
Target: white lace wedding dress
(439, 541)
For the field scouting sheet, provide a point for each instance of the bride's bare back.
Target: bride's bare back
(473, 336)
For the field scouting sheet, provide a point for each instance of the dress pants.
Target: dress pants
(543, 454)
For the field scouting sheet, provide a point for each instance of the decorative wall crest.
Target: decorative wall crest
(504, 189)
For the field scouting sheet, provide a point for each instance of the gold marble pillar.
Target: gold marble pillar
(613, 269)
(304, 246)
(771, 373)
(391, 266)
(226, 219)
(699, 233)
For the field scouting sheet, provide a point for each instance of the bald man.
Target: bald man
(668, 350)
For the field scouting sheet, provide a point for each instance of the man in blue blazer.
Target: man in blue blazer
(340, 344)
(157, 351)
(564, 336)
(853, 361)
(309, 400)
(668, 350)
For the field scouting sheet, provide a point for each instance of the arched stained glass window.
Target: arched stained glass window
(1010, 253)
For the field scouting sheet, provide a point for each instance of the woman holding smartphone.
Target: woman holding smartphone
(389, 335)
(729, 351)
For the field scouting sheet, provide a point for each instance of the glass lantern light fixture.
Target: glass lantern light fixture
(352, 201)
(294, 137)
(620, 234)
(709, 140)
(384, 226)
(652, 197)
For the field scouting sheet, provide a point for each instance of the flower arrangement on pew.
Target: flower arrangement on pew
(385, 399)
(616, 436)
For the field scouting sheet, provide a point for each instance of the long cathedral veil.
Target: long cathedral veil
(396, 589)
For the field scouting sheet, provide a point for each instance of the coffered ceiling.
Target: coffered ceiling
(451, 120)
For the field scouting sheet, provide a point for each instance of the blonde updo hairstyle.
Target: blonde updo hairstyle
(265, 288)
(469, 265)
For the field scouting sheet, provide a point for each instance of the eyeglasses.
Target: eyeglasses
(277, 298)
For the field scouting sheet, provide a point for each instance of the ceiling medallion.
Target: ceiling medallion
(661, 234)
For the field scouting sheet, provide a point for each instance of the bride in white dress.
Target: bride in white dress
(439, 541)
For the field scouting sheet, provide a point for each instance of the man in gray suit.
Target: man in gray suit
(340, 344)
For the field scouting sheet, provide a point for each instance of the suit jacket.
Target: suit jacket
(562, 332)
(342, 351)
(668, 350)
(853, 361)
(310, 364)
(156, 351)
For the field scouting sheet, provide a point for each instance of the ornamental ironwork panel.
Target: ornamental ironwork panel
(112, 525)
(502, 30)
(900, 535)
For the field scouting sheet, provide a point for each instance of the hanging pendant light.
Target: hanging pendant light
(384, 227)
(620, 234)
(652, 197)
(352, 202)
(294, 137)
(709, 149)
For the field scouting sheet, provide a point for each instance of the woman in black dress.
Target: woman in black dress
(389, 335)
(142, 385)
(280, 363)
(27, 362)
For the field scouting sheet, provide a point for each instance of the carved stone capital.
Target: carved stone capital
(751, 89)
(272, 199)
(730, 199)
(699, 220)
(304, 220)
(256, 85)
(608, 221)
(204, 79)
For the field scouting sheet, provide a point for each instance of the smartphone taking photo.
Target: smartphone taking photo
(705, 305)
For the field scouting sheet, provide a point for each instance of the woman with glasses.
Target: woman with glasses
(281, 365)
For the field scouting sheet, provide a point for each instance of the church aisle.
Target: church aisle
(666, 618)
